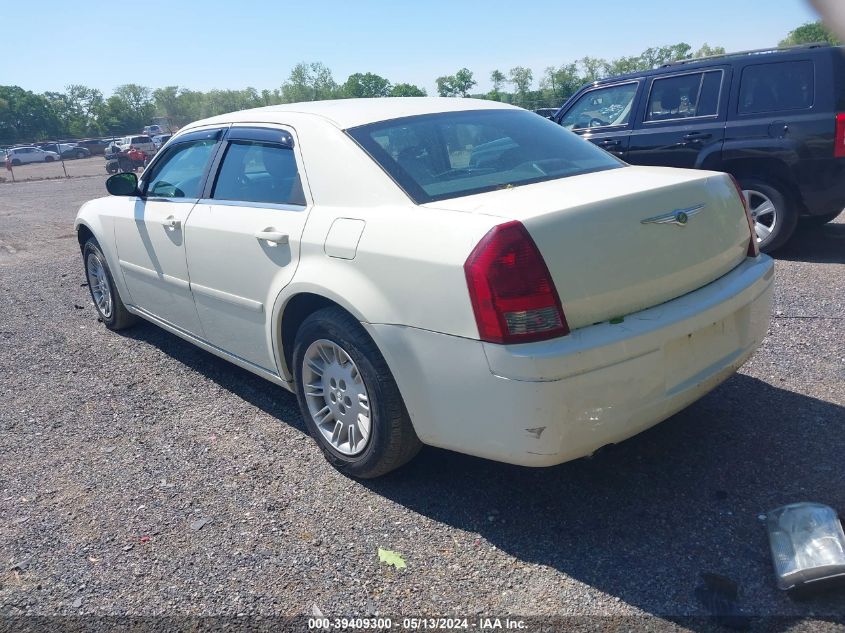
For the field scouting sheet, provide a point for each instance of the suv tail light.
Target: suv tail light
(839, 136)
(753, 247)
(512, 293)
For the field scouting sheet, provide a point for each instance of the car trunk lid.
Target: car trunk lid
(623, 240)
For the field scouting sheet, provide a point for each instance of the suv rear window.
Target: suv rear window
(776, 87)
(141, 139)
(453, 154)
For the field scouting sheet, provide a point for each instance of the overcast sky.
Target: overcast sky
(218, 44)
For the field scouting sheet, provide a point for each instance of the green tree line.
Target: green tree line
(81, 111)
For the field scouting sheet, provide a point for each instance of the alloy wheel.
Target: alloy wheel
(763, 213)
(336, 396)
(98, 281)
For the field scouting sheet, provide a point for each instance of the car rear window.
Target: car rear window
(453, 154)
(776, 87)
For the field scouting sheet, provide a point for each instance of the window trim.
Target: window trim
(258, 134)
(763, 113)
(700, 117)
(638, 81)
(189, 137)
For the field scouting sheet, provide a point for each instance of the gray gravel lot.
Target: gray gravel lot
(115, 447)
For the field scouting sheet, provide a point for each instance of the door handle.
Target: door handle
(609, 142)
(697, 136)
(170, 222)
(272, 235)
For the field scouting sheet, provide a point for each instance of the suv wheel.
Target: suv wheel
(114, 314)
(774, 217)
(348, 397)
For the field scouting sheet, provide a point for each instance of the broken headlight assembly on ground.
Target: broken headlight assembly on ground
(808, 545)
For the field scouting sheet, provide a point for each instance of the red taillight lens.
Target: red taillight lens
(839, 136)
(512, 292)
(753, 247)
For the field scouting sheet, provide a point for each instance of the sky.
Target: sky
(204, 44)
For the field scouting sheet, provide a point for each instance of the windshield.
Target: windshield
(453, 154)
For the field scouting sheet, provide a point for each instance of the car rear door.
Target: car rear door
(603, 115)
(150, 230)
(242, 239)
(681, 122)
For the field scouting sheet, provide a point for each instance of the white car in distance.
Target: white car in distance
(450, 272)
(23, 155)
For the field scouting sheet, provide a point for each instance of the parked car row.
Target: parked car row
(47, 152)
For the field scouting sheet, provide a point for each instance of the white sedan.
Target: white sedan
(451, 272)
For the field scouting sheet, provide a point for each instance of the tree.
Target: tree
(309, 82)
(592, 68)
(366, 85)
(706, 50)
(809, 33)
(455, 85)
(558, 84)
(26, 116)
(407, 90)
(521, 79)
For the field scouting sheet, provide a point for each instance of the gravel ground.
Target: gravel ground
(143, 476)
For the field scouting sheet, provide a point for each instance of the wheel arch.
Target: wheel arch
(770, 170)
(292, 309)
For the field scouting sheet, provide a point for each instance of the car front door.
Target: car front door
(682, 120)
(242, 240)
(150, 231)
(603, 115)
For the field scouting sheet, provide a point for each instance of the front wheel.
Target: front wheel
(348, 397)
(48, 159)
(773, 214)
(107, 301)
(16, 162)
(80, 154)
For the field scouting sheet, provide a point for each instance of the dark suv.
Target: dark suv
(774, 119)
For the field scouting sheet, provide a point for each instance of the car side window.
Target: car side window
(684, 96)
(254, 171)
(602, 107)
(776, 86)
(179, 173)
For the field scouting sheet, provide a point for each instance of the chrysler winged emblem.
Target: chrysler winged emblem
(678, 217)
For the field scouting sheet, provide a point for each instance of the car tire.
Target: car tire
(366, 430)
(48, 159)
(16, 162)
(774, 215)
(103, 291)
(80, 154)
(819, 220)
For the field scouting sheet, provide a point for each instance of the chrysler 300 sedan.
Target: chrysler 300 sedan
(451, 272)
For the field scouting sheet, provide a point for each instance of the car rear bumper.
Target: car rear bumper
(540, 404)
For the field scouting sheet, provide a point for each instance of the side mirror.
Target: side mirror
(124, 184)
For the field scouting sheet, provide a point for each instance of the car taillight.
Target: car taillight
(512, 293)
(839, 136)
(753, 247)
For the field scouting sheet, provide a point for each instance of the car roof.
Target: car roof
(348, 113)
(761, 55)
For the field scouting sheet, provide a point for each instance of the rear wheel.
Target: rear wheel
(48, 159)
(773, 214)
(16, 162)
(107, 301)
(80, 154)
(818, 220)
(348, 397)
